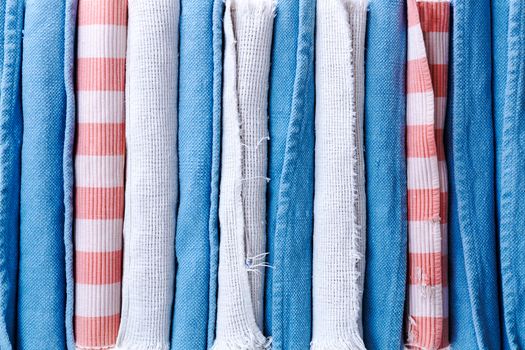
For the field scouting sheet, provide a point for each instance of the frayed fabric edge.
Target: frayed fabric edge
(251, 7)
(142, 347)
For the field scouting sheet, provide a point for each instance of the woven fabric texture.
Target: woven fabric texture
(242, 201)
(339, 201)
(151, 175)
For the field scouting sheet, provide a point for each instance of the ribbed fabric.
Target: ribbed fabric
(339, 200)
(99, 170)
(41, 277)
(427, 323)
(12, 16)
(242, 201)
(151, 175)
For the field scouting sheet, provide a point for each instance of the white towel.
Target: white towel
(151, 174)
(339, 203)
(248, 26)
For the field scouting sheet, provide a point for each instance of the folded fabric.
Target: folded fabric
(386, 229)
(339, 202)
(41, 275)
(196, 241)
(151, 175)
(509, 164)
(288, 300)
(242, 201)
(469, 141)
(99, 170)
(427, 59)
(12, 19)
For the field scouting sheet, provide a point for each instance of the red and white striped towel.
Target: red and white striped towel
(428, 26)
(99, 170)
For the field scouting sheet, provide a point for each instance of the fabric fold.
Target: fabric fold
(339, 200)
(386, 243)
(242, 201)
(151, 175)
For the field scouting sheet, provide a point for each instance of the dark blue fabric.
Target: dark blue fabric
(386, 250)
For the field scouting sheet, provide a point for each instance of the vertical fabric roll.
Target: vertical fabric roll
(41, 278)
(151, 175)
(288, 300)
(427, 63)
(10, 147)
(469, 142)
(99, 170)
(510, 163)
(339, 202)
(196, 241)
(242, 202)
(386, 237)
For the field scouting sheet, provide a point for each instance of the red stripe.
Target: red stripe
(412, 13)
(423, 204)
(96, 332)
(421, 141)
(428, 332)
(427, 269)
(101, 74)
(101, 139)
(99, 203)
(102, 12)
(439, 73)
(440, 145)
(98, 267)
(434, 16)
(417, 79)
(443, 207)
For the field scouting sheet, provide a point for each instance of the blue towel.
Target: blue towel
(386, 250)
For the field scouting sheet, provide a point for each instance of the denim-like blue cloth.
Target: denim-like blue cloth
(200, 74)
(469, 142)
(41, 279)
(290, 191)
(510, 123)
(10, 147)
(386, 250)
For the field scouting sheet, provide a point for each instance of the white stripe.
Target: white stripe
(100, 106)
(437, 47)
(419, 173)
(440, 104)
(99, 171)
(428, 301)
(423, 237)
(92, 300)
(444, 239)
(98, 235)
(442, 166)
(415, 52)
(418, 102)
(104, 41)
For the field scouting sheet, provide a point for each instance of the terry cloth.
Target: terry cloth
(242, 200)
(11, 24)
(41, 275)
(386, 225)
(339, 201)
(197, 237)
(427, 62)
(288, 298)
(151, 175)
(99, 170)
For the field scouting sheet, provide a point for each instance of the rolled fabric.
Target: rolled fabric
(288, 300)
(242, 201)
(151, 175)
(469, 142)
(386, 237)
(510, 132)
(196, 240)
(12, 19)
(99, 170)
(339, 201)
(41, 276)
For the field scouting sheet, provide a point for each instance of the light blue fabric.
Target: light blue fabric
(386, 250)
(197, 234)
(41, 279)
(10, 146)
(469, 141)
(290, 191)
(510, 123)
